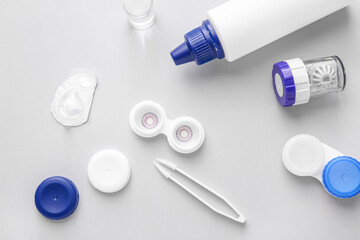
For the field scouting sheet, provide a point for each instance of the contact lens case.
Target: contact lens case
(296, 81)
(305, 155)
(185, 134)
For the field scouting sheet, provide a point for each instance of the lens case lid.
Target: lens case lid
(184, 134)
(109, 171)
(341, 177)
(56, 197)
(305, 155)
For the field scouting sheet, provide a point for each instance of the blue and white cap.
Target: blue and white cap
(341, 177)
(291, 82)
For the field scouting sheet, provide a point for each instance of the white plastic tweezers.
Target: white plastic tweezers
(161, 164)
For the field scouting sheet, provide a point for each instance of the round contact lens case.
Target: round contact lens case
(185, 134)
(305, 155)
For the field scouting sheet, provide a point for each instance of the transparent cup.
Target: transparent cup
(141, 14)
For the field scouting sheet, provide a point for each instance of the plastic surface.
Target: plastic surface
(341, 177)
(56, 198)
(201, 45)
(73, 98)
(184, 134)
(109, 171)
(164, 166)
(295, 81)
(237, 95)
(305, 155)
(141, 14)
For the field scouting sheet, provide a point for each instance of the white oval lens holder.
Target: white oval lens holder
(305, 155)
(184, 134)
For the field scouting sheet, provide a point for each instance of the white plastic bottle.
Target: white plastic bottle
(239, 27)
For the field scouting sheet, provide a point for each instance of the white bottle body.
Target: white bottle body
(245, 26)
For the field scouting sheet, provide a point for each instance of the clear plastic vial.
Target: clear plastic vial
(141, 14)
(326, 75)
(296, 81)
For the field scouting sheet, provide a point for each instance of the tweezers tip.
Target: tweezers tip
(161, 169)
(242, 219)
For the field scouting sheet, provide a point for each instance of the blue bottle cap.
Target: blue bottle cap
(283, 83)
(341, 177)
(201, 45)
(56, 197)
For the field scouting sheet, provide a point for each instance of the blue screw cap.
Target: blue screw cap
(201, 45)
(283, 83)
(341, 177)
(56, 197)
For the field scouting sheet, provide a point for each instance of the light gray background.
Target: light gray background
(42, 40)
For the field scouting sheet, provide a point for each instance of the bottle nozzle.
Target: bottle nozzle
(182, 54)
(201, 45)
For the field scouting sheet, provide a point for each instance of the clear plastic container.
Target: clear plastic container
(326, 75)
(141, 14)
(296, 82)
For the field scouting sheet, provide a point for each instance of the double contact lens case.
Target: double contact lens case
(305, 155)
(185, 134)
